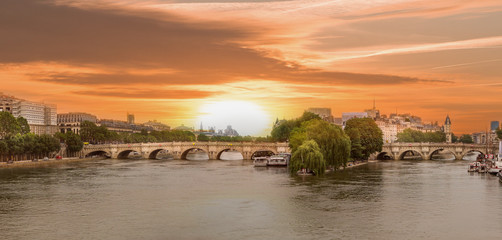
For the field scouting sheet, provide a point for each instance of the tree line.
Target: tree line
(411, 136)
(94, 134)
(17, 143)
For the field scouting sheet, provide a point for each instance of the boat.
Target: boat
(473, 167)
(483, 168)
(305, 172)
(278, 160)
(500, 176)
(495, 167)
(260, 161)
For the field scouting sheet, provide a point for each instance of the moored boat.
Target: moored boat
(260, 161)
(305, 172)
(496, 167)
(473, 167)
(483, 168)
(278, 160)
(500, 176)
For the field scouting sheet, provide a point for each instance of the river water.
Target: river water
(174, 199)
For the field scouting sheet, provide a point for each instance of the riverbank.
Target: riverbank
(41, 163)
(356, 164)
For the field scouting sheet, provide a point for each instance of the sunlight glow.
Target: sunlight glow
(246, 117)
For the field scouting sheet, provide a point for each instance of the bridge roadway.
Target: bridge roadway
(179, 150)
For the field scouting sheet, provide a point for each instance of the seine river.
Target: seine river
(173, 199)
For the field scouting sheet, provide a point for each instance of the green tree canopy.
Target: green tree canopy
(356, 149)
(88, 131)
(332, 141)
(466, 138)
(410, 135)
(4, 148)
(8, 125)
(308, 156)
(365, 135)
(23, 125)
(282, 131)
(499, 133)
(203, 138)
(73, 142)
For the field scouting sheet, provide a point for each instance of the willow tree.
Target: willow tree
(308, 156)
(332, 141)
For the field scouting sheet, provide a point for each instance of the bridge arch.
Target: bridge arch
(99, 153)
(385, 156)
(154, 153)
(218, 156)
(193, 149)
(413, 152)
(125, 154)
(263, 152)
(435, 151)
(471, 151)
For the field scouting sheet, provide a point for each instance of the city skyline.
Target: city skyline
(166, 60)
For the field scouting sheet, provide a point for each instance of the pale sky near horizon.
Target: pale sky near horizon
(246, 63)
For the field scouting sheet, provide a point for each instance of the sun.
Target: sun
(246, 117)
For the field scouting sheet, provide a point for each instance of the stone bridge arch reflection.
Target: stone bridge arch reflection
(411, 155)
(194, 154)
(229, 154)
(262, 153)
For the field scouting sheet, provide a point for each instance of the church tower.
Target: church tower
(447, 129)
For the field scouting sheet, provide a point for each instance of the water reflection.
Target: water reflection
(176, 199)
(197, 155)
(231, 155)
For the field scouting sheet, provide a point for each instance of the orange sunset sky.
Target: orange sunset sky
(245, 63)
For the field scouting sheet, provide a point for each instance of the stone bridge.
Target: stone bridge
(425, 150)
(179, 150)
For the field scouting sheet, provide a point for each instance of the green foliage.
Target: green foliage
(4, 148)
(308, 156)
(435, 137)
(88, 131)
(282, 131)
(365, 136)
(334, 144)
(49, 143)
(454, 138)
(29, 144)
(8, 125)
(356, 149)
(61, 136)
(466, 138)
(264, 139)
(23, 125)
(499, 133)
(202, 138)
(409, 135)
(73, 142)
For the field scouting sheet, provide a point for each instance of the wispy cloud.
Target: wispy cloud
(488, 42)
(466, 64)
